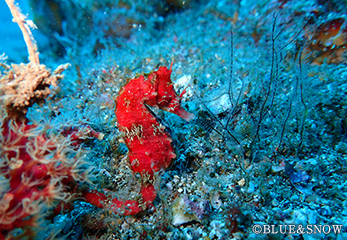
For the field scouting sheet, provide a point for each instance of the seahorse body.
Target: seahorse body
(150, 145)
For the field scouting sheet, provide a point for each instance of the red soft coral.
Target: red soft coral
(37, 172)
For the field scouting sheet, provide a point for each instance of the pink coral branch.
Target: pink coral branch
(20, 19)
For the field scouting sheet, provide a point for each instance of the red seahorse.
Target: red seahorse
(150, 145)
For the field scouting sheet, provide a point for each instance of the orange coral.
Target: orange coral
(329, 42)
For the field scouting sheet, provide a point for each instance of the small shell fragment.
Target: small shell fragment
(215, 201)
(180, 213)
(241, 182)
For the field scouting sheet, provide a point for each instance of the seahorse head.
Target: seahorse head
(164, 95)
